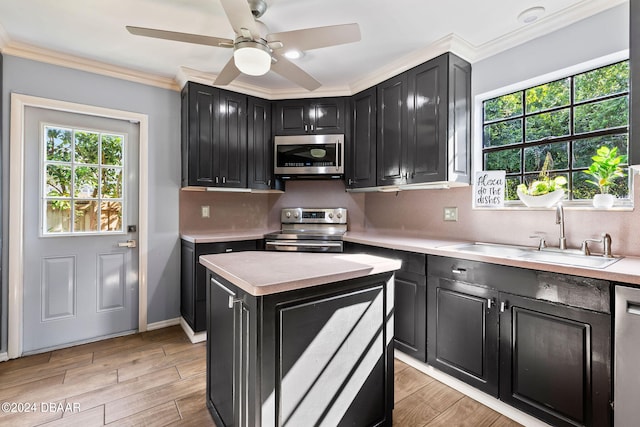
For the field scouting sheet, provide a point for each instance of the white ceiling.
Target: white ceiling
(396, 34)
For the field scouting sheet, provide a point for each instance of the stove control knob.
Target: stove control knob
(339, 215)
(296, 215)
(288, 214)
(330, 215)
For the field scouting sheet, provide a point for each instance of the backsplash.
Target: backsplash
(421, 212)
(418, 212)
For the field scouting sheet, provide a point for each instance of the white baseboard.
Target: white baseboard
(193, 336)
(163, 324)
(464, 388)
(4, 357)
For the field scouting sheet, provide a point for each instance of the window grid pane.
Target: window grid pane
(570, 130)
(83, 174)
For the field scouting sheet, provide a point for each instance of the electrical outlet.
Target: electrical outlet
(451, 214)
(204, 211)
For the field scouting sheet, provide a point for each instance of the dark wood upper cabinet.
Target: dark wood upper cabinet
(361, 152)
(260, 144)
(230, 160)
(392, 131)
(310, 116)
(424, 124)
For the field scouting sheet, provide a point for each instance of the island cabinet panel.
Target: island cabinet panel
(310, 116)
(193, 280)
(551, 334)
(316, 356)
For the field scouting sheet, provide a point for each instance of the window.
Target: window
(83, 181)
(569, 118)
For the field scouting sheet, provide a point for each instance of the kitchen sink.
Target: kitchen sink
(492, 249)
(569, 259)
(527, 253)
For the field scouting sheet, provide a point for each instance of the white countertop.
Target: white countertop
(225, 236)
(264, 273)
(626, 270)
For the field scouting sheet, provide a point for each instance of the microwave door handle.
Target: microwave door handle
(338, 157)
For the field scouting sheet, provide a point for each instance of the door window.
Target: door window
(83, 181)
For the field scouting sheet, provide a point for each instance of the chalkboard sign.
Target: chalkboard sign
(489, 189)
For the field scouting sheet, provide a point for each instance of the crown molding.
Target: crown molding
(28, 51)
(4, 38)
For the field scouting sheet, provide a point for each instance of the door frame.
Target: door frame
(19, 103)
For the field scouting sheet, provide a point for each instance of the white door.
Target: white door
(80, 213)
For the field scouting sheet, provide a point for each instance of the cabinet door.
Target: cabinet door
(333, 349)
(362, 145)
(187, 283)
(410, 314)
(392, 131)
(555, 361)
(326, 116)
(462, 332)
(260, 144)
(427, 130)
(201, 134)
(291, 117)
(231, 143)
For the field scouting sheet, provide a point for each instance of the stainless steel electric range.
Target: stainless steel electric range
(309, 230)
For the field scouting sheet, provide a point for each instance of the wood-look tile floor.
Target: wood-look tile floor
(157, 378)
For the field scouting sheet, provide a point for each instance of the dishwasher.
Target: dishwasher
(627, 356)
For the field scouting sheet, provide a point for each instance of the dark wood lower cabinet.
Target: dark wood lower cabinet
(538, 341)
(463, 332)
(193, 280)
(316, 356)
(555, 361)
(410, 316)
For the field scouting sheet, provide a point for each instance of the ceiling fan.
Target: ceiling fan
(255, 51)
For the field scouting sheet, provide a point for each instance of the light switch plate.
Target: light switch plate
(204, 211)
(451, 214)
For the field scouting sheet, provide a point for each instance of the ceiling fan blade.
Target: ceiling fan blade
(239, 14)
(292, 72)
(315, 38)
(180, 37)
(228, 73)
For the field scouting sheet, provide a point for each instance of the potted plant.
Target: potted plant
(606, 167)
(543, 192)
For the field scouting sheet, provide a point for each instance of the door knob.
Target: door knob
(127, 244)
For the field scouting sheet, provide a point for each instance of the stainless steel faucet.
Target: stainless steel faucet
(562, 241)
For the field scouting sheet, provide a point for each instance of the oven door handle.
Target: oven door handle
(308, 244)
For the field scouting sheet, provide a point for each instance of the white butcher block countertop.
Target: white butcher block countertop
(263, 273)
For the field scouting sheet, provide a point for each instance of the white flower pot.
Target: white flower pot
(603, 201)
(544, 201)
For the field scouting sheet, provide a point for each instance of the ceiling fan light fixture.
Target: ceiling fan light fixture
(252, 58)
(294, 54)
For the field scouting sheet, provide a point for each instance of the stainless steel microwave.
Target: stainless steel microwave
(309, 156)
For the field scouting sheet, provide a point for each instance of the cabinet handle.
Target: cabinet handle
(490, 302)
(232, 299)
(306, 128)
(224, 179)
(268, 183)
(311, 128)
(503, 306)
(217, 180)
(458, 271)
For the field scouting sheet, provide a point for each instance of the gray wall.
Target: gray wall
(593, 37)
(163, 108)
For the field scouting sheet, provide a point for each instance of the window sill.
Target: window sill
(621, 206)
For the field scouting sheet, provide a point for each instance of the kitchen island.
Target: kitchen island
(300, 339)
